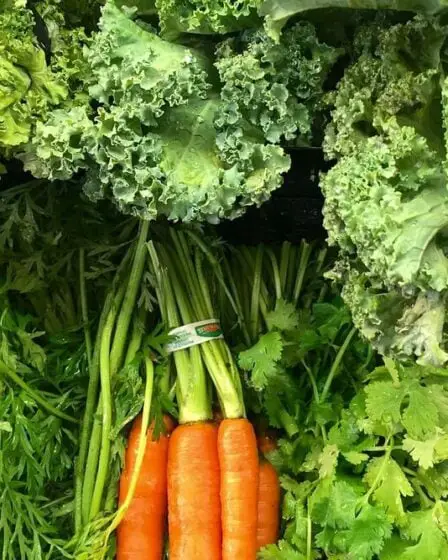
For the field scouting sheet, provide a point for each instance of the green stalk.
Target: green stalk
(244, 273)
(309, 532)
(284, 260)
(192, 381)
(119, 515)
(160, 277)
(79, 470)
(236, 298)
(138, 330)
(127, 309)
(220, 277)
(305, 253)
(105, 409)
(191, 386)
(213, 352)
(182, 260)
(202, 282)
(229, 395)
(34, 395)
(320, 261)
(91, 427)
(292, 271)
(276, 274)
(84, 307)
(112, 353)
(98, 436)
(337, 363)
(255, 300)
(188, 299)
(91, 468)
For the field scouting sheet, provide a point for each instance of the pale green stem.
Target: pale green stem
(337, 363)
(127, 309)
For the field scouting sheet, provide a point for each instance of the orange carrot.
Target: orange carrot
(238, 458)
(268, 505)
(266, 444)
(141, 533)
(194, 510)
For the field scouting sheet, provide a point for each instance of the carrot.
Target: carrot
(238, 457)
(266, 444)
(193, 493)
(268, 505)
(268, 495)
(206, 463)
(141, 533)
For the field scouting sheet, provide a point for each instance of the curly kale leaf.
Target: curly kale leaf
(388, 211)
(27, 86)
(397, 323)
(151, 144)
(278, 12)
(396, 74)
(207, 16)
(385, 198)
(276, 87)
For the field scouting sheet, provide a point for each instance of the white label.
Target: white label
(194, 334)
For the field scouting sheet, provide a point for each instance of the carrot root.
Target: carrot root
(194, 510)
(268, 505)
(238, 457)
(141, 533)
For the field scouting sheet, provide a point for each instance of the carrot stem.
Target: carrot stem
(105, 409)
(127, 308)
(91, 426)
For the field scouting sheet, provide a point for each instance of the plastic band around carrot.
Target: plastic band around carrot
(194, 334)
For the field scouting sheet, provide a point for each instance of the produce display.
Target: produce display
(166, 394)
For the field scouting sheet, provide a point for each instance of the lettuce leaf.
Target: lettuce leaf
(32, 81)
(27, 86)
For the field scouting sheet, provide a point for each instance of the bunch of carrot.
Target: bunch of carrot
(161, 491)
(221, 501)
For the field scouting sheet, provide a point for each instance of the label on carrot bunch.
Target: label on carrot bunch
(194, 334)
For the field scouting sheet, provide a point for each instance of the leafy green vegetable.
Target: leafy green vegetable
(207, 16)
(152, 145)
(37, 446)
(385, 213)
(277, 88)
(29, 86)
(277, 12)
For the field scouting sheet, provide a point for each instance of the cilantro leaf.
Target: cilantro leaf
(262, 359)
(429, 451)
(409, 403)
(336, 508)
(284, 317)
(391, 485)
(328, 461)
(426, 527)
(368, 533)
(281, 551)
